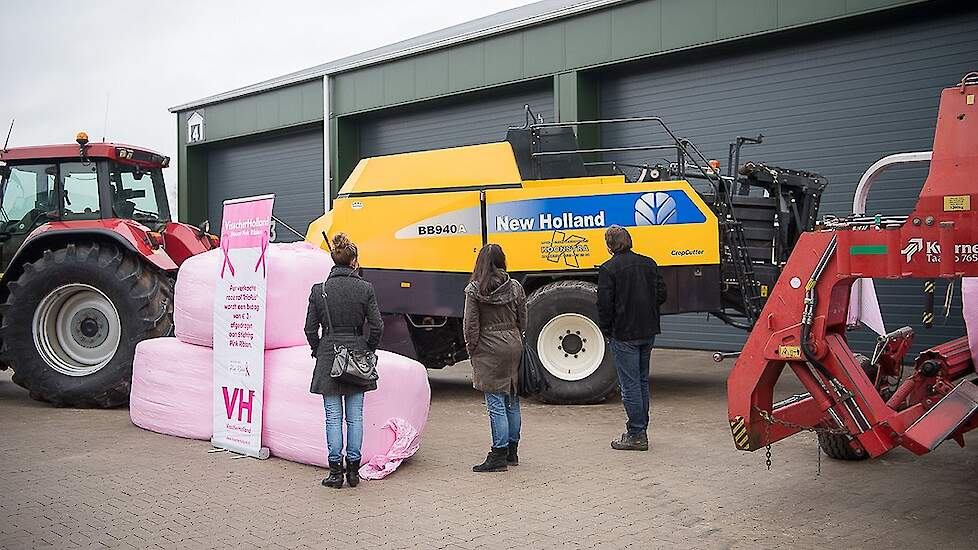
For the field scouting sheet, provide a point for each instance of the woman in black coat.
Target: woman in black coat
(352, 303)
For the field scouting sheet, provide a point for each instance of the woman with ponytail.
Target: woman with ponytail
(341, 306)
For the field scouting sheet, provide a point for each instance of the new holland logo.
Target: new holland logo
(913, 246)
(655, 208)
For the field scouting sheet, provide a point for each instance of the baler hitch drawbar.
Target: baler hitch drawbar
(864, 401)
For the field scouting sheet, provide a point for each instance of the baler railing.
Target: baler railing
(732, 231)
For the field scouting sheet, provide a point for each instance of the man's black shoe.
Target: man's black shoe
(628, 442)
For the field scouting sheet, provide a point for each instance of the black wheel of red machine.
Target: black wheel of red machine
(837, 446)
(73, 318)
(563, 325)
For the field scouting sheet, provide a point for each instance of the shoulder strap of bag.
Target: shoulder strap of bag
(329, 320)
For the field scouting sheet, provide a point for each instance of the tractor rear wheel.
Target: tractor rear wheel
(837, 446)
(73, 318)
(563, 325)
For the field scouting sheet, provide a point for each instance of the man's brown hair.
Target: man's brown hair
(618, 239)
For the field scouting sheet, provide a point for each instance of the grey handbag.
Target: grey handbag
(358, 368)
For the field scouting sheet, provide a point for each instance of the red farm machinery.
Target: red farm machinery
(865, 406)
(88, 254)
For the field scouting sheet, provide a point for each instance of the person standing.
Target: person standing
(494, 321)
(352, 303)
(630, 292)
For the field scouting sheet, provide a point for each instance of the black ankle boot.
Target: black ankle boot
(495, 461)
(335, 479)
(512, 458)
(353, 472)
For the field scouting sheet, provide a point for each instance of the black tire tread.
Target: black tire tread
(561, 286)
(148, 287)
(837, 446)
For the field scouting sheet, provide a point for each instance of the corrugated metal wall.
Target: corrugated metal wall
(291, 166)
(482, 118)
(832, 101)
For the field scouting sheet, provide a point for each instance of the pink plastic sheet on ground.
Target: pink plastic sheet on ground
(292, 270)
(172, 385)
(407, 441)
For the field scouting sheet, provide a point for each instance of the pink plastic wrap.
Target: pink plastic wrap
(292, 270)
(969, 301)
(172, 385)
(407, 441)
(171, 388)
(294, 420)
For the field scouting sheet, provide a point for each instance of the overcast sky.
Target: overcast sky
(64, 59)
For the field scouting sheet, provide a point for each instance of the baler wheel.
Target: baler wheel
(73, 318)
(563, 325)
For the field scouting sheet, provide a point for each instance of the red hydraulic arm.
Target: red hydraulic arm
(803, 323)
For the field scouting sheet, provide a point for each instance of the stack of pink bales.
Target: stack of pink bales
(172, 377)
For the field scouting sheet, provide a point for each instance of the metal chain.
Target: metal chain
(767, 417)
(770, 420)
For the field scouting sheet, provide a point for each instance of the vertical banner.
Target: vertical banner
(239, 326)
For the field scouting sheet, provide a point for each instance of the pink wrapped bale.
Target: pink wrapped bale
(969, 302)
(292, 270)
(171, 388)
(172, 394)
(294, 420)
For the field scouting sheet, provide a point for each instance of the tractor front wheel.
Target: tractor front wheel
(72, 321)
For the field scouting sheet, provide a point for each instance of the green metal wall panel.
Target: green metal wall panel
(543, 50)
(399, 81)
(798, 12)
(466, 67)
(369, 87)
(632, 31)
(431, 77)
(504, 58)
(740, 17)
(627, 31)
(687, 23)
(587, 39)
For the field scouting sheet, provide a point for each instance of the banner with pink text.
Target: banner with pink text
(239, 326)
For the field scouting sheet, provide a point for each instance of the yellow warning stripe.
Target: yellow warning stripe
(929, 287)
(741, 436)
(928, 317)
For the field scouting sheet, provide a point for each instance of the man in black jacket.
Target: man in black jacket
(630, 291)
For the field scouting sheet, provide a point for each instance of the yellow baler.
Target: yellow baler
(419, 219)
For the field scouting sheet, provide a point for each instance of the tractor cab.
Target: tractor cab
(75, 183)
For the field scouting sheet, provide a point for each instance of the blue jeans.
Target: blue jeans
(504, 418)
(632, 363)
(334, 425)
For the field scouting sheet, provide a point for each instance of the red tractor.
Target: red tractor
(89, 255)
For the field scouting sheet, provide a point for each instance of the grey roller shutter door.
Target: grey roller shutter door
(482, 118)
(291, 166)
(833, 105)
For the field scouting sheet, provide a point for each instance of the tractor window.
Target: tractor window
(138, 193)
(80, 191)
(27, 195)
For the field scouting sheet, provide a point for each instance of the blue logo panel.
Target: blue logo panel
(594, 211)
